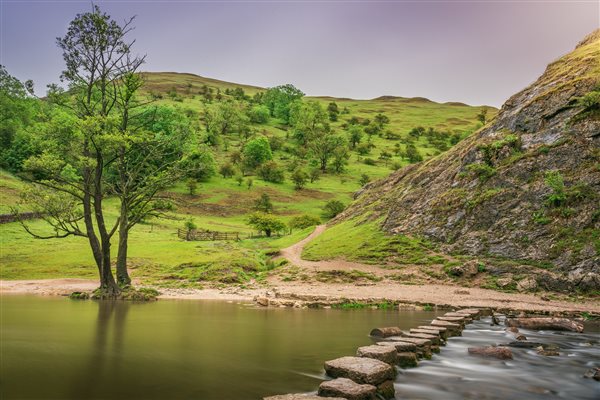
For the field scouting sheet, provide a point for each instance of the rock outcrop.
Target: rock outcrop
(524, 190)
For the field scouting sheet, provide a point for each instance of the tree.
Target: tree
(355, 134)
(308, 120)
(413, 154)
(200, 164)
(333, 111)
(224, 118)
(299, 177)
(189, 226)
(279, 100)
(270, 171)
(263, 204)
(259, 114)
(266, 223)
(385, 156)
(482, 115)
(100, 71)
(340, 158)
(303, 221)
(333, 208)
(382, 120)
(315, 174)
(227, 170)
(256, 152)
(192, 185)
(364, 179)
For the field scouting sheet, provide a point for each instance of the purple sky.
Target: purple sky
(478, 52)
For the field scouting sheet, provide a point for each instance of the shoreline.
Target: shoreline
(280, 294)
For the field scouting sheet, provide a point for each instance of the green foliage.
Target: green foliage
(555, 181)
(482, 171)
(364, 179)
(355, 134)
(190, 225)
(270, 171)
(199, 164)
(299, 177)
(539, 217)
(493, 151)
(257, 151)
(413, 154)
(333, 111)
(482, 115)
(227, 170)
(332, 208)
(303, 221)
(264, 204)
(266, 223)
(279, 100)
(192, 185)
(259, 114)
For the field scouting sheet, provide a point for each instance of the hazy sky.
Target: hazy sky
(478, 52)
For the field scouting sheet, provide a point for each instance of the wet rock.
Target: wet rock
(360, 370)
(262, 301)
(407, 359)
(348, 389)
(399, 346)
(382, 353)
(441, 331)
(524, 344)
(434, 339)
(555, 324)
(452, 328)
(501, 353)
(386, 332)
(593, 373)
(473, 313)
(457, 320)
(386, 390)
(300, 396)
(434, 333)
(527, 285)
(423, 345)
(512, 329)
(547, 352)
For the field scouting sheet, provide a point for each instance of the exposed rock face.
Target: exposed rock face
(501, 353)
(350, 390)
(490, 195)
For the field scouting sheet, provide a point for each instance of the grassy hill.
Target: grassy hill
(222, 204)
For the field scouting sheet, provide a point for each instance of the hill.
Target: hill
(520, 197)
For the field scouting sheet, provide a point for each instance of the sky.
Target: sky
(477, 52)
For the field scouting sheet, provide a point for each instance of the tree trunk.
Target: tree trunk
(122, 275)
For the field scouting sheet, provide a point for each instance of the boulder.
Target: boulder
(360, 370)
(501, 353)
(386, 332)
(382, 353)
(386, 390)
(593, 373)
(527, 285)
(545, 323)
(348, 389)
(300, 396)
(262, 301)
(547, 352)
(399, 346)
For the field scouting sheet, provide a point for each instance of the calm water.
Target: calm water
(55, 348)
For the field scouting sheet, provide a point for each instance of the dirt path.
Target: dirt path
(294, 255)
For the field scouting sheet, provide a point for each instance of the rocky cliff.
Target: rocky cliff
(524, 188)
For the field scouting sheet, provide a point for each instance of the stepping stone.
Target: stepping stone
(546, 323)
(466, 318)
(300, 396)
(386, 390)
(385, 332)
(435, 339)
(452, 328)
(400, 346)
(382, 353)
(348, 389)
(360, 370)
(407, 359)
(430, 332)
(456, 320)
(502, 353)
(443, 332)
(471, 312)
(423, 345)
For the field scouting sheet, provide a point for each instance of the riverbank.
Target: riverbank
(322, 294)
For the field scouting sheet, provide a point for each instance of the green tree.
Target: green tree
(227, 170)
(270, 171)
(264, 204)
(279, 99)
(385, 157)
(192, 186)
(314, 174)
(200, 164)
(224, 118)
(308, 120)
(340, 158)
(333, 111)
(364, 179)
(355, 134)
(413, 154)
(381, 120)
(266, 223)
(482, 115)
(299, 177)
(303, 221)
(259, 114)
(257, 151)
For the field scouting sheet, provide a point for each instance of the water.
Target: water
(55, 348)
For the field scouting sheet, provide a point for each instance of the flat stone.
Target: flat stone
(386, 390)
(472, 312)
(435, 339)
(406, 359)
(423, 345)
(502, 353)
(452, 328)
(300, 396)
(467, 318)
(382, 353)
(348, 389)
(360, 370)
(543, 323)
(399, 346)
(385, 332)
(443, 332)
(457, 320)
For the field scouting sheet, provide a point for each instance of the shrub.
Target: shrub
(227, 170)
(263, 204)
(482, 171)
(271, 172)
(369, 161)
(299, 177)
(266, 223)
(257, 151)
(555, 181)
(304, 221)
(333, 208)
(364, 179)
(259, 114)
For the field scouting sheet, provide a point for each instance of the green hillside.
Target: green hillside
(224, 203)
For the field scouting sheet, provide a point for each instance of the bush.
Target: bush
(263, 204)
(271, 172)
(266, 223)
(364, 179)
(227, 170)
(257, 151)
(333, 208)
(200, 164)
(299, 177)
(482, 171)
(555, 181)
(304, 221)
(369, 161)
(259, 114)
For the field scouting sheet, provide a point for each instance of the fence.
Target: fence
(6, 218)
(207, 235)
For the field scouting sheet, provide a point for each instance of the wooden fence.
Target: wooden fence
(6, 218)
(207, 235)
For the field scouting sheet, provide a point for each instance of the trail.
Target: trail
(294, 255)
